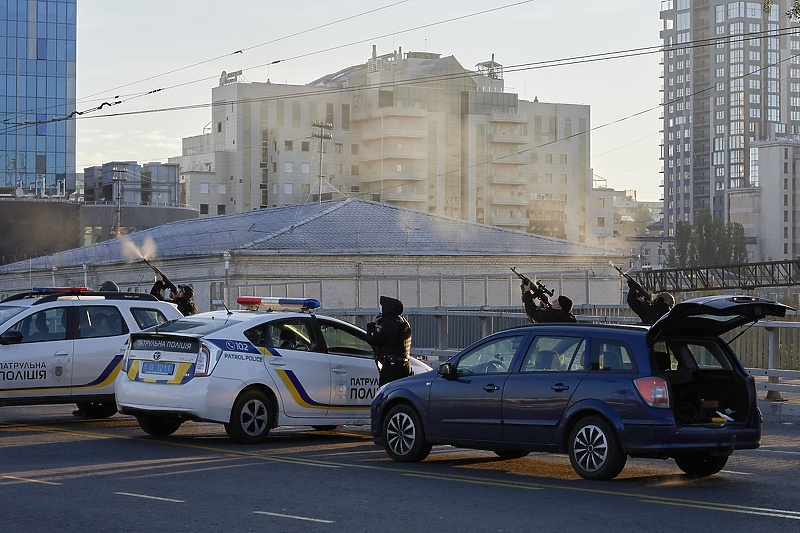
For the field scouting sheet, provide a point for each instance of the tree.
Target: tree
(792, 13)
(710, 242)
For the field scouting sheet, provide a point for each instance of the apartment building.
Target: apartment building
(414, 129)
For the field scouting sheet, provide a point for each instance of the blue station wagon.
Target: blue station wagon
(600, 393)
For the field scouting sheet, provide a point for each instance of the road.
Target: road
(60, 473)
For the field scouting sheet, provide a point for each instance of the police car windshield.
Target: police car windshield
(8, 311)
(196, 325)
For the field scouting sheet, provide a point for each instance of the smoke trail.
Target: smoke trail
(132, 252)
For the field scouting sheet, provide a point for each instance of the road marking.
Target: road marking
(728, 508)
(735, 472)
(295, 517)
(31, 480)
(146, 497)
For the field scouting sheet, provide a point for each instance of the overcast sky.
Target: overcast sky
(127, 48)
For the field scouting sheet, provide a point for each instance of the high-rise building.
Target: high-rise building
(37, 95)
(731, 79)
(416, 130)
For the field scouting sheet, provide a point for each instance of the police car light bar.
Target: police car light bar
(295, 303)
(52, 290)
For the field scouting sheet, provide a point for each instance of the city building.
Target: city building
(413, 129)
(731, 81)
(37, 97)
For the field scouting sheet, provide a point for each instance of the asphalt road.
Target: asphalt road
(60, 473)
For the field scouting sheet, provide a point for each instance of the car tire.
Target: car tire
(251, 418)
(701, 464)
(511, 454)
(594, 450)
(96, 409)
(403, 436)
(329, 427)
(158, 426)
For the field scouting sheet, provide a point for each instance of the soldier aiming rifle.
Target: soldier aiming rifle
(559, 310)
(642, 303)
(181, 295)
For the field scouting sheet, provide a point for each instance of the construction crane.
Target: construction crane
(745, 276)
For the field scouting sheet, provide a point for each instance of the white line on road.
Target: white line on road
(295, 517)
(145, 496)
(31, 480)
(740, 473)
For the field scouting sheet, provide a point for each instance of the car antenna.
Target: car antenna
(222, 303)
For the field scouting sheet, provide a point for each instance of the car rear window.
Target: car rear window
(147, 317)
(197, 325)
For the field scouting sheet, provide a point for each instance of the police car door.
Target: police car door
(41, 363)
(354, 375)
(302, 373)
(99, 344)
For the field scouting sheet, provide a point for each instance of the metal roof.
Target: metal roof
(349, 226)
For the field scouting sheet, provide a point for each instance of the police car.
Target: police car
(274, 364)
(65, 344)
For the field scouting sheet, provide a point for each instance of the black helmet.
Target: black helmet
(109, 286)
(188, 291)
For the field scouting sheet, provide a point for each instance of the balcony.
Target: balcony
(404, 197)
(389, 112)
(508, 222)
(507, 180)
(373, 134)
(507, 199)
(512, 118)
(386, 154)
(513, 159)
(507, 138)
(389, 177)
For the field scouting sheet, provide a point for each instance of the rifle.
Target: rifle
(644, 293)
(164, 277)
(538, 289)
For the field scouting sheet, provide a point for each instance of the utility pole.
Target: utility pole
(323, 126)
(118, 215)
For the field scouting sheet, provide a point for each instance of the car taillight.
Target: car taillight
(206, 360)
(654, 391)
(126, 359)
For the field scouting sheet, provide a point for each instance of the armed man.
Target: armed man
(648, 309)
(559, 310)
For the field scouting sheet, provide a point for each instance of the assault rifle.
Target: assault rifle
(538, 289)
(643, 293)
(166, 280)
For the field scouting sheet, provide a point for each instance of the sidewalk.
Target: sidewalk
(786, 410)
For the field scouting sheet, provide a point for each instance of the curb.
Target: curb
(779, 412)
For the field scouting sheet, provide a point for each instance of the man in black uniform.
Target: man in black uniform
(649, 309)
(560, 310)
(390, 336)
(181, 295)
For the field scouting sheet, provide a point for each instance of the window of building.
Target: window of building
(305, 146)
(204, 188)
(203, 209)
(305, 168)
(288, 167)
(287, 145)
(601, 222)
(354, 170)
(601, 202)
(221, 209)
(287, 188)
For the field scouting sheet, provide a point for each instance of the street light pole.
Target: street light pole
(118, 216)
(321, 136)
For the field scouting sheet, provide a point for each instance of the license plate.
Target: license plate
(162, 369)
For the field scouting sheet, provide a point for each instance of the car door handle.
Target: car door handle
(560, 387)
(491, 388)
(339, 370)
(277, 361)
(61, 353)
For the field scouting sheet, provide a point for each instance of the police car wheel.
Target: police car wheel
(403, 436)
(158, 426)
(250, 418)
(97, 409)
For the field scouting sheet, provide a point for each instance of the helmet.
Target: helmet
(188, 291)
(667, 298)
(109, 286)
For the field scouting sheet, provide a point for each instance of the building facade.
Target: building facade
(416, 130)
(37, 95)
(731, 78)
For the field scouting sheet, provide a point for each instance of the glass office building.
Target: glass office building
(37, 95)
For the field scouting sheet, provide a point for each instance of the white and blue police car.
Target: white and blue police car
(65, 344)
(276, 363)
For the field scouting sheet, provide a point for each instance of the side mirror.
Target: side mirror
(446, 370)
(11, 336)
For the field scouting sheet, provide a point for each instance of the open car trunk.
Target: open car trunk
(709, 396)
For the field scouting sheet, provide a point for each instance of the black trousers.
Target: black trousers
(394, 368)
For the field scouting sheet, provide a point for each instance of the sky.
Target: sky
(160, 60)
